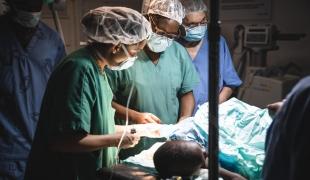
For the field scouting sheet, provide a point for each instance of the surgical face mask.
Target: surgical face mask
(125, 64)
(158, 43)
(27, 19)
(196, 33)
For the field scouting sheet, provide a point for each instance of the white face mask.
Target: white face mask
(125, 64)
(158, 43)
(27, 19)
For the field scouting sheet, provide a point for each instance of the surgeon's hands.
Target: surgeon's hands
(129, 140)
(143, 118)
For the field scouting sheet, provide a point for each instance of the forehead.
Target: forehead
(136, 46)
(168, 25)
(195, 17)
(31, 6)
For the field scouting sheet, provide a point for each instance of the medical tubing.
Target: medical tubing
(126, 124)
(124, 132)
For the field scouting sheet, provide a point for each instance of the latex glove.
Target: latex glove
(143, 118)
(129, 140)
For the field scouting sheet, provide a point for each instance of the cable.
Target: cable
(125, 129)
(126, 124)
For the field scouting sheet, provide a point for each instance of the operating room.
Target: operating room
(154, 89)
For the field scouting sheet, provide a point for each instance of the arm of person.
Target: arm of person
(229, 75)
(228, 175)
(187, 105)
(190, 80)
(151, 130)
(135, 116)
(275, 106)
(87, 142)
(225, 94)
(225, 174)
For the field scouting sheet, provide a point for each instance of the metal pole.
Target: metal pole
(57, 23)
(214, 37)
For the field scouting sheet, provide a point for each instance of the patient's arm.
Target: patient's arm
(228, 175)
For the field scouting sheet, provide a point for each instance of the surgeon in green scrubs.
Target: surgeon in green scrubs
(163, 77)
(76, 133)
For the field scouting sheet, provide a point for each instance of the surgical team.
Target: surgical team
(63, 116)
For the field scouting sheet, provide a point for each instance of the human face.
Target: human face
(195, 19)
(27, 14)
(165, 27)
(164, 31)
(122, 52)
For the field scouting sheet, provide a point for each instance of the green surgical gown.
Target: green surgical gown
(77, 101)
(157, 87)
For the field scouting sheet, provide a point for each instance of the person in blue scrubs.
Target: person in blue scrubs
(287, 142)
(29, 51)
(197, 45)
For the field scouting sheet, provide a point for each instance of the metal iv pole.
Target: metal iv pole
(213, 37)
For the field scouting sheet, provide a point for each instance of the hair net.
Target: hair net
(194, 6)
(116, 25)
(171, 9)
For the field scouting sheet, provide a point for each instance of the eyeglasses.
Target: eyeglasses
(164, 33)
(168, 35)
(193, 25)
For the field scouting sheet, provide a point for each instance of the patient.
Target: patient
(185, 158)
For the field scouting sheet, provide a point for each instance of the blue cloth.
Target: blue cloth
(287, 141)
(23, 76)
(228, 75)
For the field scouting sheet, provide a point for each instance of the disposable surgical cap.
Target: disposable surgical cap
(194, 6)
(116, 25)
(171, 9)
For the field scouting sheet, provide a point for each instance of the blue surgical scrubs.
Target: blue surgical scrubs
(23, 76)
(287, 142)
(228, 75)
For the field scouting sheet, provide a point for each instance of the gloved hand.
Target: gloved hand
(129, 140)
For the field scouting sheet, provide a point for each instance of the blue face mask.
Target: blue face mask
(158, 43)
(196, 33)
(27, 19)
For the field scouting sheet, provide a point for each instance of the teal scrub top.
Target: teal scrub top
(77, 101)
(157, 87)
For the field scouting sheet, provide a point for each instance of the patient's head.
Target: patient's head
(179, 158)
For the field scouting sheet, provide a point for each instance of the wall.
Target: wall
(74, 11)
(69, 22)
(289, 17)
